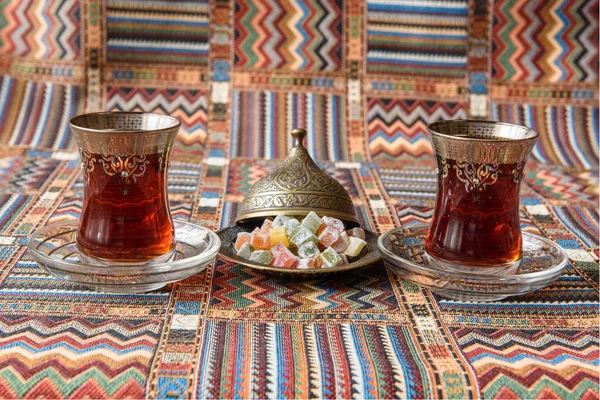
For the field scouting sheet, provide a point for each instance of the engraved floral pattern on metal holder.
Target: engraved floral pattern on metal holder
(443, 167)
(517, 173)
(476, 178)
(127, 168)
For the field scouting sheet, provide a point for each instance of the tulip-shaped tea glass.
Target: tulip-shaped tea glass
(124, 159)
(475, 226)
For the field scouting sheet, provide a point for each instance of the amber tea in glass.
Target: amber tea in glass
(125, 215)
(475, 227)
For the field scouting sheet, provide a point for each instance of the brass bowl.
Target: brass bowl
(296, 187)
(227, 250)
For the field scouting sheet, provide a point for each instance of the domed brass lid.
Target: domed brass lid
(296, 187)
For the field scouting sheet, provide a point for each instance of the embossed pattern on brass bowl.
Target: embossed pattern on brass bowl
(296, 187)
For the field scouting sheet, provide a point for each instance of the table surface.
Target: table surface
(239, 78)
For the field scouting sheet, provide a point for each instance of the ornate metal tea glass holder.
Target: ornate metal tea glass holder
(475, 227)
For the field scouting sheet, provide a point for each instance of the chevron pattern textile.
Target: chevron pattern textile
(364, 77)
(304, 35)
(40, 29)
(545, 41)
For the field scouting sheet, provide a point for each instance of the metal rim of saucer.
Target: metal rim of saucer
(229, 234)
(468, 286)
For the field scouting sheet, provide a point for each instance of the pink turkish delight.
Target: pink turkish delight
(268, 224)
(328, 236)
(334, 223)
(341, 244)
(356, 232)
(282, 256)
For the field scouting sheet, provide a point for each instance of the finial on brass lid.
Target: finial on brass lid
(299, 134)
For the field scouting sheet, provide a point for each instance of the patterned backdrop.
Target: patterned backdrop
(364, 77)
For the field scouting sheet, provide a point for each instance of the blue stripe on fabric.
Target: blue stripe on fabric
(206, 351)
(422, 9)
(519, 357)
(404, 362)
(396, 136)
(248, 119)
(424, 63)
(417, 35)
(362, 359)
(166, 50)
(240, 360)
(305, 14)
(334, 131)
(67, 346)
(169, 22)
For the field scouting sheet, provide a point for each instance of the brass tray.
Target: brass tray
(227, 250)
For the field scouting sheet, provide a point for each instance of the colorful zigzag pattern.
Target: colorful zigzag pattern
(25, 173)
(555, 183)
(59, 357)
(398, 128)
(40, 29)
(533, 364)
(190, 106)
(292, 35)
(545, 41)
(237, 286)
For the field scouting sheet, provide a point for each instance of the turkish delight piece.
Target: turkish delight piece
(292, 226)
(330, 258)
(242, 238)
(302, 236)
(354, 247)
(333, 223)
(245, 251)
(280, 221)
(283, 257)
(278, 235)
(260, 239)
(261, 257)
(308, 250)
(306, 263)
(328, 236)
(356, 232)
(342, 243)
(344, 259)
(312, 222)
(267, 225)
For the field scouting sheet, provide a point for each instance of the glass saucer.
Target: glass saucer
(403, 250)
(53, 247)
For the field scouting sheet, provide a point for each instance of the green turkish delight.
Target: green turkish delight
(330, 258)
(312, 222)
(262, 257)
(308, 250)
(302, 236)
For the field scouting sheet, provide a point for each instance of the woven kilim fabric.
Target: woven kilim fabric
(364, 77)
